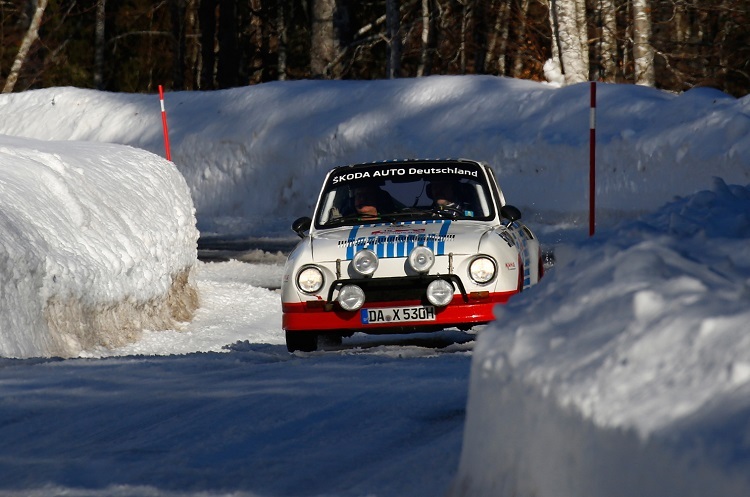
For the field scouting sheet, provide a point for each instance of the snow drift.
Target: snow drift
(255, 157)
(575, 394)
(99, 243)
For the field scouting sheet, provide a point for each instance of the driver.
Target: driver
(444, 196)
(366, 201)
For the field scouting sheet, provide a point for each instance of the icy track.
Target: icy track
(381, 416)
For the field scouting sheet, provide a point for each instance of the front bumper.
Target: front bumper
(463, 312)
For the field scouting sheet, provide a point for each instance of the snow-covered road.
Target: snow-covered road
(233, 413)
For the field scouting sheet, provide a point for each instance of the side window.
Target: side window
(496, 188)
(480, 200)
(336, 204)
(343, 205)
(326, 209)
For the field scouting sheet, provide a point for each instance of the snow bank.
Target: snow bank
(99, 243)
(628, 371)
(254, 157)
(624, 373)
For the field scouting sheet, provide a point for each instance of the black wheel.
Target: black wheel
(304, 341)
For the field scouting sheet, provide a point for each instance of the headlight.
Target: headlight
(421, 259)
(310, 279)
(440, 292)
(482, 269)
(365, 262)
(351, 297)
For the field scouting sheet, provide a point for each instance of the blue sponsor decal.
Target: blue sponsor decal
(397, 241)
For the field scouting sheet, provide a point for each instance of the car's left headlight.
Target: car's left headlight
(365, 262)
(310, 279)
(482, 269)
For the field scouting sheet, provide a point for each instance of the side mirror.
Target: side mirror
(300, 225)
(510, 213)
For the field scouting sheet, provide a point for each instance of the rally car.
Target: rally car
(405, 246)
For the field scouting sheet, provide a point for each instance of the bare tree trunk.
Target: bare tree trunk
(326, 41)
(207, 22)
(627, 48)
(227, 69)
(424, 58)
(608, 42)
(681, 24)
(520, 39)
(465, 13)
(643, 52)
(570, 38)
(99, 44)
(192, 53)
(554, 69)
(283, 40)
(259, 59)
(179, 42)
(582, 34)
(497, 43)
(718, 29)
(32, 34)
(393, 36)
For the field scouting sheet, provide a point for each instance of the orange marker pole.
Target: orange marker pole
(164, 123)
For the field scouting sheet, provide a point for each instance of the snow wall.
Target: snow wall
(99, 242)
(254, 157)
(628, 371)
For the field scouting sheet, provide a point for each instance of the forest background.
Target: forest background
(135, 45)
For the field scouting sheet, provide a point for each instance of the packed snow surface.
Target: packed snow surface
(624, 372)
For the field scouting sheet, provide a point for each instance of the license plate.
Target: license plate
(398, 314)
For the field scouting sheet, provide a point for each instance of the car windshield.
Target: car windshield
(393, 192)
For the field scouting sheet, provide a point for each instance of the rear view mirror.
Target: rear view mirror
(510, 213)
(300, 225)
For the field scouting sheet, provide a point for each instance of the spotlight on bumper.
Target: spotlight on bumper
(351, 297)
(365, 262)
(421, 259)
(440, 292)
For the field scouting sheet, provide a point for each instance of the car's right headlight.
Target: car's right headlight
(482, 269)
(310, 279)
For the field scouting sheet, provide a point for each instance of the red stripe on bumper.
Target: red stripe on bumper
(300, 316)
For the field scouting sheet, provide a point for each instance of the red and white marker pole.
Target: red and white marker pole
(164, 123)
(592, 162)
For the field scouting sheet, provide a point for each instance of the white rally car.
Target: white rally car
(405, 246)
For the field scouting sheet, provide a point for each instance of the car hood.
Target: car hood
(397, 240)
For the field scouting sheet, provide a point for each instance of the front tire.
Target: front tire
(304, 341)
